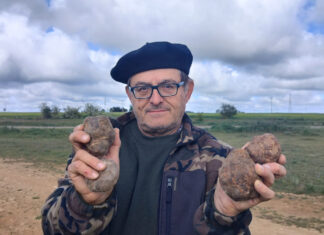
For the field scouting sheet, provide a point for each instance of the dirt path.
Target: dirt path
(24, 188)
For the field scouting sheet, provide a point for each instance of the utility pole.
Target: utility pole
(289, 107)
(271, 105)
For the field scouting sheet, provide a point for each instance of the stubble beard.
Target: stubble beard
(159, 130)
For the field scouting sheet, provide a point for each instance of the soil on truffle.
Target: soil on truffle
(101, 133)
(264, 148)
(102, 136)
(237, 176)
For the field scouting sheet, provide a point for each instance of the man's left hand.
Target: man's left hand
(268, 172)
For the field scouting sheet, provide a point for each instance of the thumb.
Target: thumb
(245, 146)
(113, 153)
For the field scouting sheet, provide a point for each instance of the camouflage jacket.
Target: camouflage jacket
(186, 197)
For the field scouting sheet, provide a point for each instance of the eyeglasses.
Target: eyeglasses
(164, 89)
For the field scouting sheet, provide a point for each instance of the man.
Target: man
(168, 167)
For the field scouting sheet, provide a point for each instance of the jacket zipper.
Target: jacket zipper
(168, 201)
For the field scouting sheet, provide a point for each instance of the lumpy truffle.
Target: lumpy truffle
(264, 148)
(237, 176)
(102, 136)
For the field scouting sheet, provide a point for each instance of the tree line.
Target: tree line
(226, 111)
(75, 112)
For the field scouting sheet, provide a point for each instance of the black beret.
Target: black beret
(155, 55)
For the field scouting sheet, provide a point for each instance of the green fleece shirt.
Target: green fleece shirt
(142, 160)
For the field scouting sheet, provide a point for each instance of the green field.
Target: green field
(301, 137)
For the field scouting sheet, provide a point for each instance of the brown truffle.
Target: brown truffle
(237, 176)
(102, 136)
(107, 178)
(264, 148)
(101, 133)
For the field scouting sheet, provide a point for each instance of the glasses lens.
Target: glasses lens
(165, 89)
(142, 91)
(168, 89)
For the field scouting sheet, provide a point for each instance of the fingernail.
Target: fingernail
(101, 165)
(259, 168)
(85, 138)
(94, 175)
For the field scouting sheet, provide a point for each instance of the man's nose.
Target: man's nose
(156, 98)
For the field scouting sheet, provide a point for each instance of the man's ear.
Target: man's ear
(189, 89)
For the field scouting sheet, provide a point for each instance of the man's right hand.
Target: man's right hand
(84, 165)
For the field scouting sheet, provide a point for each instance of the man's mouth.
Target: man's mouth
(156, 110)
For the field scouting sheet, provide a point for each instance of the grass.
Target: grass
(21, 115)
(47, 146)
(301, 137)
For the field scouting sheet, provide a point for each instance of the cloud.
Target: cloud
(245, 52)
(316, 12)
(234, 31)
(248, 35)
(50, 66)
(31, 55)
(35, 10)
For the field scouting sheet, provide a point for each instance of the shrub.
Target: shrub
(117, 109)
(71, 112)
(55, 111)
(46, 111)
(91, 110)
(228, 111)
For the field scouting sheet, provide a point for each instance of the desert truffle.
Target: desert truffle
(101, 133)
(102, 136)
(237, 175)
(107, 178)
(264, 148)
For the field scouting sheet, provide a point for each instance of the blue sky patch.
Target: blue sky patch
(315, 28)
(48, 2)
(50, 29)
(92, 46)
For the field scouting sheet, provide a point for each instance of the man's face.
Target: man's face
(157, 116)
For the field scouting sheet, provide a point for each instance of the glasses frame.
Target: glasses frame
(157, 88)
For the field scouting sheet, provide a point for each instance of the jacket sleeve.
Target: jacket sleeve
(65, 212)
(209, 221)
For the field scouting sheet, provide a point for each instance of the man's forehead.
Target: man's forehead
(156, 76)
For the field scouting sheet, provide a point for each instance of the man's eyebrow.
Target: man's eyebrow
(169, 80)
(142, 84)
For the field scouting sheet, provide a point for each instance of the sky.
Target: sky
(260, 56)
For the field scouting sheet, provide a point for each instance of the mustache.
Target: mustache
(156, 107)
